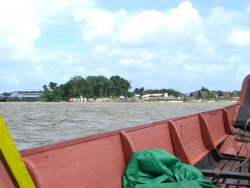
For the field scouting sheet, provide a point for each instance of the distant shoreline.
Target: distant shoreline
(127, 101)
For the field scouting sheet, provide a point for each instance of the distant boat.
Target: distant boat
(2, 99)
(204, 140)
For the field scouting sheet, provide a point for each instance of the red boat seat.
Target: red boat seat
(152, 136)
(230, 113)
(187, 139)
(215, 123)
(95, 161)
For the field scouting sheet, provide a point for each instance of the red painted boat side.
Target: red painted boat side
(187, 139)
(93, 163)
(244, 90)
(5, 181)
(215, 125)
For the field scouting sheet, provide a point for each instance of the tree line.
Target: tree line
(91, 86)
(102, 87)
(151, 91)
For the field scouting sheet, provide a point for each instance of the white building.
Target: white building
(25, 94)
(147, 97)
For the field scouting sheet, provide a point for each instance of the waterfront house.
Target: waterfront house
(202, 94)
(193, 95)
(155, 96)
(25, 94)
(225, 95)
(198, 94)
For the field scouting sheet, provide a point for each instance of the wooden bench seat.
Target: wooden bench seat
(216, 129)
(94, 161)
(151, 136)
(187, 139)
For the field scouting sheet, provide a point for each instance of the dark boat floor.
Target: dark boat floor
(228, 176)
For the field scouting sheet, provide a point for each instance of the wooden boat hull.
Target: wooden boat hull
(100, 160)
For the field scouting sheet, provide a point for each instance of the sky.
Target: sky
(183, 45)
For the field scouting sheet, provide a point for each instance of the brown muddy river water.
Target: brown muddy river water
(35, 124)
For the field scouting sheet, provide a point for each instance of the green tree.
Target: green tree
(141, 90)
(52, 85)
(92, 86)
(73, 91)
(102, 82)
(205, 89)
(45, 88)
(126, 87)
(211, 95)
(50, 95)
(136, 90)
(91, 83)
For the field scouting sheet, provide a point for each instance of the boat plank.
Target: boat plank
(219, 165)
(231, 147)
(88, 164)
(232, 181)
(244, 150)
(230, 115)
(188, 144)
(154, 137)
(215, 123)
(245, 168)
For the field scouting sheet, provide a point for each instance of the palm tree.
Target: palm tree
(45, 88)
(50, 95)
(82, 86)
(126, 86)
(116, 84)
(122, 84)
(101, 82)
(52, 85)
(91, 83)
(73, 90)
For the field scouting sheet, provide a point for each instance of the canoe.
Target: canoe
(204, 140)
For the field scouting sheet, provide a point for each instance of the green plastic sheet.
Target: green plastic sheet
(158, 168)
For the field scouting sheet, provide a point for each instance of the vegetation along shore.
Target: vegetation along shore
(116, 89)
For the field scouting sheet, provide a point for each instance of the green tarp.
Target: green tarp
(157, 168)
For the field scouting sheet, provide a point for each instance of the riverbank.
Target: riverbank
(167, 100)
(134, 100)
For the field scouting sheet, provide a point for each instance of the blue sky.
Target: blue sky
(182, 45)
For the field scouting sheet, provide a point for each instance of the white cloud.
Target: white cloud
(222, 22)
(68, 61)
(240, 38)
(155, 27)
(99, 24)
(37, 67)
